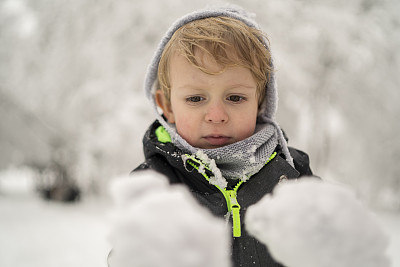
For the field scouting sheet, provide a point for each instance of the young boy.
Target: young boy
(212, 85)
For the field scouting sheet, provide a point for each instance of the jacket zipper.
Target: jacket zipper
(234, 209)
(229, 194)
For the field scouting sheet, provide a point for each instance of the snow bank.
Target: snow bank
(157, 224)
(17, 181)
(310, 223)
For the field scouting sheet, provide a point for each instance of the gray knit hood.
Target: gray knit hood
(268, 108)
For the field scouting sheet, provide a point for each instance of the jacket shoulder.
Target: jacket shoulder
(301, 161)
(159, 164)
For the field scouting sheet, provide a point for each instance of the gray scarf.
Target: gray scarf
(239, 160)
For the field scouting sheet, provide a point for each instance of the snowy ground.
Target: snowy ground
(37, 233)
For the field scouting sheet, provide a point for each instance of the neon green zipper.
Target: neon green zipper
(229, 194)
(234, 209)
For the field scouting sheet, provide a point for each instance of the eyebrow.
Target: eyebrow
(240, 85)
(233, 86)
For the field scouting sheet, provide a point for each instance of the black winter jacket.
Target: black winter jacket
(246, 250)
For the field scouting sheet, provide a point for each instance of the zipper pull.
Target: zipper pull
(235, 210)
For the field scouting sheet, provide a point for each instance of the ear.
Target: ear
(165, 105)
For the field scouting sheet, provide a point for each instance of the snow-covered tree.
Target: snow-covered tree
(72, 72)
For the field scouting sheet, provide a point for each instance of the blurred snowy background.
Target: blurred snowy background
(72, 110)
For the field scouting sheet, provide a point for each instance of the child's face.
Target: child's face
(210, 111)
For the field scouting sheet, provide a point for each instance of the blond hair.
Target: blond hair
(218, 37)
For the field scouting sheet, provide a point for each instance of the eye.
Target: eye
(194, 99)
(236, 98)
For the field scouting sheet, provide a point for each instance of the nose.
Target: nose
(216, 113)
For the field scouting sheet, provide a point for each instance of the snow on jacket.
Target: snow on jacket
(163, 156)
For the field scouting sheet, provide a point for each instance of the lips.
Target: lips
(218, 140)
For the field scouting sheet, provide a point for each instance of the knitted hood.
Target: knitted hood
(268, 108)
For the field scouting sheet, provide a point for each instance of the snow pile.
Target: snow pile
(309, 223)
(157, 224)
(17, 181)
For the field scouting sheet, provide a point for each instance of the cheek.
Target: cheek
(185, 125)
(249, 126)
(247, 123)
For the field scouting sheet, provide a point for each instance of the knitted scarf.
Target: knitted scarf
(239, 160)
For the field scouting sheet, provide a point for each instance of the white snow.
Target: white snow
(36, 233)
(217, 179)
(310, 223)
(155, 224)
(17, 181)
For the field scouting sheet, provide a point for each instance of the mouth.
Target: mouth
(218, 140)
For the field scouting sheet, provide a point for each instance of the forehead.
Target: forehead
(183, 74)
